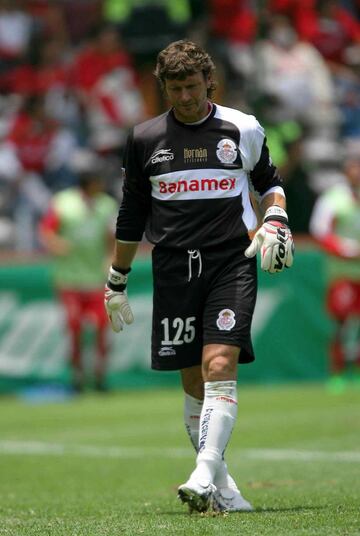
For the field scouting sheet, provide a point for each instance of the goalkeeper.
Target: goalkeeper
(189, 173)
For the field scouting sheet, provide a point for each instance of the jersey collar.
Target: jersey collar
(211, 113)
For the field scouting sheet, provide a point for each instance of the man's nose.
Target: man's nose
(185, 95)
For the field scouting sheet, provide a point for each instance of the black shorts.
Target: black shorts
(199, 301)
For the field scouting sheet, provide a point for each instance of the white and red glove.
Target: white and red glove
(274, 241)
(116, 300)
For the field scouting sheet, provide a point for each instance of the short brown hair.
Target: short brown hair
(184, 58)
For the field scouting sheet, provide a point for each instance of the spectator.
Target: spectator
(76, 232)
(330, 28)
(335, 223)
(101, 54)
(41, 145)
(330, 25)
(295, 73)
(54, 82)
(34, 159)
(107, 87)
(48, 74)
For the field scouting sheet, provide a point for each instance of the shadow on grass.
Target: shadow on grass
(290, 509)
(225, 514)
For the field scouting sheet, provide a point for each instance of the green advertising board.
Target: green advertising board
(291, 329)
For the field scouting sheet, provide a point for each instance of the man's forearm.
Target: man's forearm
(274, 198)
(124, 254)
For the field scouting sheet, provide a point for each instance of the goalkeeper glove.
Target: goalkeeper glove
(274, 241)
(116, 300)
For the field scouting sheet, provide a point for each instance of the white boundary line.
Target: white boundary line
(91, 451)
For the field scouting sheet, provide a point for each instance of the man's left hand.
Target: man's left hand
(274, 241)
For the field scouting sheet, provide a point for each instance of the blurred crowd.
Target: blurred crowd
(75, 75)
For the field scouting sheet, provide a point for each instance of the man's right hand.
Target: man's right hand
(116, 300)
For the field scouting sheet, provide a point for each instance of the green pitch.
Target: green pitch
(110, 465)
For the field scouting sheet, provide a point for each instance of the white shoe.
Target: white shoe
(230, 500)
(198, 496)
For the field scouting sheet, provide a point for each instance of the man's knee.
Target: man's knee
(220, 362)
(219, 368)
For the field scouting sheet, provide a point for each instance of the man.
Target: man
(335, 223)
(187, 185)
(76, 232)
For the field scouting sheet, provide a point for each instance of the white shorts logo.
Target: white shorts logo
(226, 151)
(226, 320)
(166, 350)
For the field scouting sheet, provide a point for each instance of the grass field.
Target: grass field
(110, 465)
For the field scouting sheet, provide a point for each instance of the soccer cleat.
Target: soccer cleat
(230, 500)
(197, 496)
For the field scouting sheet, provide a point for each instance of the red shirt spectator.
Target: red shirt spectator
(101, 56)
(32, 134)
(233, 20)
(326, 24)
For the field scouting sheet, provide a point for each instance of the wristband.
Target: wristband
(276, 213)
(117, 279)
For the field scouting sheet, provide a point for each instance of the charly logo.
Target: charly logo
(226, 320)
(162, 155)
(166, 351)
(199, 154)
(226, 151)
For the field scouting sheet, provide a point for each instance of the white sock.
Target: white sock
(223, 479)
(217, 420)
(192, 412)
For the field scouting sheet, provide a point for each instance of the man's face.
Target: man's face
(188, 97)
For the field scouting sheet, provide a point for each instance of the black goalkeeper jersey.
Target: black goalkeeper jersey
(187, 186)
